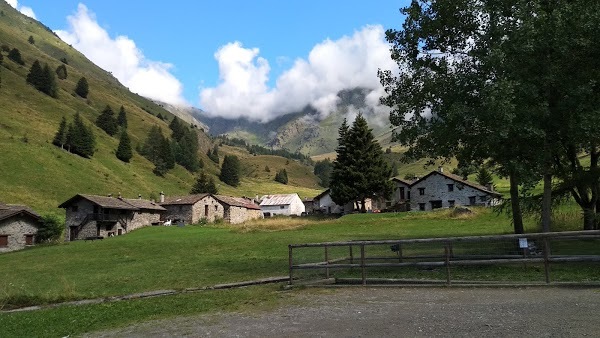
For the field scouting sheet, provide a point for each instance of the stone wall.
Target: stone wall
(143, 218)
(16, 228)
(208, 208)
(178, 213)
(436, 189)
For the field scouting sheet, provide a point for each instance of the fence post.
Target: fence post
(290, 262)
(447, 257)
(400, 252)
(362, 264)
(326, 262)
(351, 255)
(547, 260)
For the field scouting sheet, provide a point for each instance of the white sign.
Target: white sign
(523, 243)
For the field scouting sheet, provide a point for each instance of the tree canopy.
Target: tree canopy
(124, 152)
(107, 121)
(204, 184)
(360, 170)
(230, 171)
(82, 88)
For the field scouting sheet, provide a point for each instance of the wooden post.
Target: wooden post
(547, 260)
(326, 262)
(351, 255)
(291, 262)
(447, 254)
(362, 264)
(400, 252)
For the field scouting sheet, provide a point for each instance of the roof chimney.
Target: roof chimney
(109, 195)
(162, 197)
(139, 196)
(441, 169)
(120, 197)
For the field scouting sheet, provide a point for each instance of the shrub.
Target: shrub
(50, 229)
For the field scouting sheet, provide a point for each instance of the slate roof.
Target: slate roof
(319, 196)
(105, 202)
(237, 202)
(144, 204)
(278, 199)
(403, 181)
(183, 200)
(8, 211)
(460, 180)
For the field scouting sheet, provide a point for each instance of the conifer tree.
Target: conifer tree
(31, 40)
(360, 171)
(81, 138)
(214, 154)
(122, 118)
(60, 138)
(281, 176)
(15, 55)
(124, 152)
(82, 88)
(230, 170)
(204, 184)
(61, 72)
(107, 121)
(48, 84)
(35, 77)
(484, 177)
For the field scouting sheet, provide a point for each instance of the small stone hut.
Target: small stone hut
(192, 208)
(18, 227)
(238, 209)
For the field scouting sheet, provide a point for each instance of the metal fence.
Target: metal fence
(513, 258)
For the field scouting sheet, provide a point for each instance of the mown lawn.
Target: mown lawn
(157, 258)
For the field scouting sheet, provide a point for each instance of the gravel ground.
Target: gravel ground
(400, 312)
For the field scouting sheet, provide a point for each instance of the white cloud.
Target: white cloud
(23, 9)
(122, 57)
(349, 62)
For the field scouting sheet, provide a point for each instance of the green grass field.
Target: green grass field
(158, 258)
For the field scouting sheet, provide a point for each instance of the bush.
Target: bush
(50, 230)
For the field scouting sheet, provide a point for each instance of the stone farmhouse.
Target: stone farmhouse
(325, 205)
(18, 227)
(92, 216)
(288, 205)
(192, 209)
(444, 190)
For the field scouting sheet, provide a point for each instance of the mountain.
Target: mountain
(304, 131)
(41, 175)
(186, 113)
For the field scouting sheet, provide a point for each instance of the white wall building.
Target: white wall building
(444, 190)
(324, 204)
(288, 205)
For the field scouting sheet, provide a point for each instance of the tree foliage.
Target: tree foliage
(122, 118)
(323, 171)
(82, 88)
(107, 121)
(185, 145)
(204, 184)
(157, 149)
(484, 177)
(230, 170)
(15, 55)
(79, 138)
(124, 151)
(281, 176)
(60, 138)
(511, 83)
(42, 79)
(61, 72)
(50, 229)
(360, 170)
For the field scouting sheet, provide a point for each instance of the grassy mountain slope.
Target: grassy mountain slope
(35, 172)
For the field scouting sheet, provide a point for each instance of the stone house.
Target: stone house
(92, 216)
(288, 205)
(444, 190)
(325, 205)
(192, 208)
(238, 209)
(400, 200)
(18, 227)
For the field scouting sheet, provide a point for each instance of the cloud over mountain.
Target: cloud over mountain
(23, 9)
(349, 62)
(121, 57)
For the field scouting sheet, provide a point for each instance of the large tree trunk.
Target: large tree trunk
(547, 203)
(517, 215)
(589, 219)
(363, 207)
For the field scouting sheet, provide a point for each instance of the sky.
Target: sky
(255, 59)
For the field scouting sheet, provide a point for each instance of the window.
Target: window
(74, 208)
(206, 210)
(421, 191)
(472, 200)
(422, 206)
(3, 241)
(216, 207)
(451, 203)
(282, 207)
(408, 195)
(436, 204)
(483, 198)
(401, 193)
(450, 187)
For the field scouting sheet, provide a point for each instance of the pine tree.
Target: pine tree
(124, 152)
(214, 155)
(230, 170)
(122, 118)
(60, 138)
(107, 121)
(80, 138)
(31, 40)
(61, 72)
(48, 85)
(484, 177)
(35, 77)
(204, 184)
(360, 170)
(281, 176)
(82, 88)
(15, 55)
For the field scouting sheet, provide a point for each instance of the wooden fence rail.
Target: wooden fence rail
(448, 258)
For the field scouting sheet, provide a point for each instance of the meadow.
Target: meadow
(157, 258)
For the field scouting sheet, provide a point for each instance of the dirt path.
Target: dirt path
(401, 312)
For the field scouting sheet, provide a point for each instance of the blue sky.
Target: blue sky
(268, 50)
